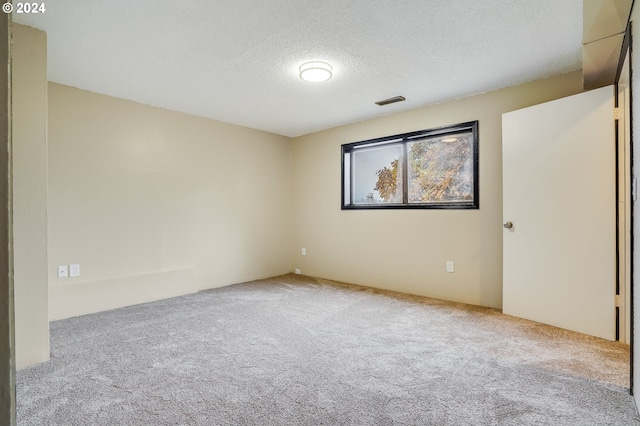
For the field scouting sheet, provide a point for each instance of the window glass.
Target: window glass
(434, 168)
(376, 178)
(441, 169)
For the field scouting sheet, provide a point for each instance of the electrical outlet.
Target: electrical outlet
(298, 271)
(74, 270)
(304, 251)
(63, 271)
(449, 265)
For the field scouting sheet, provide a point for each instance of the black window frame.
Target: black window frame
(404, 139)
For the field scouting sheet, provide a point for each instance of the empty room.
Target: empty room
(319, 213)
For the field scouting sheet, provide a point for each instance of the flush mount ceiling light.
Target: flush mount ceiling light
(315, 71)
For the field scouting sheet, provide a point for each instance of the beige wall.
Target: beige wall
(29, 55)
(406, 250)
(153, 203)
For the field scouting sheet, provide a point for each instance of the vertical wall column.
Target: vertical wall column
(603, 27)
(29, 127)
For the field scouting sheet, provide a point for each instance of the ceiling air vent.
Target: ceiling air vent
(391, 100)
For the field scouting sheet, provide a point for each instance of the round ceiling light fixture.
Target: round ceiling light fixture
(315, 71)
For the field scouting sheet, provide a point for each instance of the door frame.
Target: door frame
(7, 341)
(625, 52)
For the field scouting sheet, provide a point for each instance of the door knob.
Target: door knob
(508, 225)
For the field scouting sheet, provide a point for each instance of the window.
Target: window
(429, 169)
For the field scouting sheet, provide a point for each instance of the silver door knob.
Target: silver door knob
(508, 225)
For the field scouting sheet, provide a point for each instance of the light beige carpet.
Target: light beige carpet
(294, 350)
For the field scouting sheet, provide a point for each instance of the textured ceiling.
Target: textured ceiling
(237, 60)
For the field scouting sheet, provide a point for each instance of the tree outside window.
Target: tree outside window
(435, 168)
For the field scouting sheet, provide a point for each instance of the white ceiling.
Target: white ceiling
(237, 60)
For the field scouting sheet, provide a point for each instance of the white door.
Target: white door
(559, 257)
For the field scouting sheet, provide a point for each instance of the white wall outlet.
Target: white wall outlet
(304, 251)
(298, 271)
(63, 271)
(74, 270)
(449, 265)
